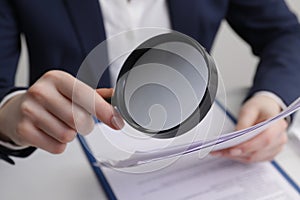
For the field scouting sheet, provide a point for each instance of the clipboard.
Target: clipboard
(110, 191)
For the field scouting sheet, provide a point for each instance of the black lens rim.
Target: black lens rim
(204, 106)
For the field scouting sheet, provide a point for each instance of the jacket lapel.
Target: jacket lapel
(87, 20)
(183, 16)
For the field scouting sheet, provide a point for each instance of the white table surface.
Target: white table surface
(69, 175)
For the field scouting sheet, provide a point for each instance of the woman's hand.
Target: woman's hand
(52, 111)
(266, 145)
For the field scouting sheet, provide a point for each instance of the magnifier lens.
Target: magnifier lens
(163, 84)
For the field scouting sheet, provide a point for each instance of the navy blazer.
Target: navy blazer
(60, 33)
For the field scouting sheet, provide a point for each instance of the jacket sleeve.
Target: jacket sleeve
(9, 47)
(273, 33)
(9, 57)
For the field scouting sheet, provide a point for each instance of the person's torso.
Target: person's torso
(59, 34)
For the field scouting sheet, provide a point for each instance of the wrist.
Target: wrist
(7, 115)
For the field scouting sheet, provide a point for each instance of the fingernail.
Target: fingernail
(117, 122)
(235, 152)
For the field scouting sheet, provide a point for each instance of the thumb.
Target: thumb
(248, 116)
(116, 120)
(105, 92)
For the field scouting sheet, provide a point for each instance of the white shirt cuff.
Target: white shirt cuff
(12, 146)
(11, 95)
(276, 98)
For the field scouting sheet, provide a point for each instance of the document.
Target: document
(191, 178)
(146, 168)
(127, 148)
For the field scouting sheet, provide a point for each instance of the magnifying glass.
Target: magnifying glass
(166, 86)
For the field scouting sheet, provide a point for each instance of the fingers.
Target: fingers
(105, 92)
(267, 144)
(264, 146)
(255, 110)
(53, 110)
(269, 153)
(62, 108)
(48, 123)
(36, 137)
(265, 154)
(247, 117)
(262, 153)
(83, 95)
(117, 120)
(267, 138)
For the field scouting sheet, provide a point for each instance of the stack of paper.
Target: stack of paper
(127, 148)
(142, 167)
